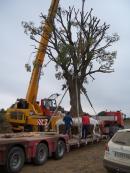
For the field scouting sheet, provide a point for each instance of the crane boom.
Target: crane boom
(31, 95)
(26, 114)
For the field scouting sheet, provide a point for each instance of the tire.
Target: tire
(60, 150)
(41, 154)
(15, 160)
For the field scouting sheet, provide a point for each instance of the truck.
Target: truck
(26, 114)
(108, 119)
(36, 147)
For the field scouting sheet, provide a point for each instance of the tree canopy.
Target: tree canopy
(80, 47)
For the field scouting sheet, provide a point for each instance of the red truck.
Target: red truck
(108, 119)
(36, 147)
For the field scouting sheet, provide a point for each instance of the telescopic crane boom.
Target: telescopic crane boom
(34, 81)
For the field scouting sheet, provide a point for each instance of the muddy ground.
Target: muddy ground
(87, 159)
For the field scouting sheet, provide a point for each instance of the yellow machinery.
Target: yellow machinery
(26, 114)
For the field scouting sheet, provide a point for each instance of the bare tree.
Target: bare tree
(80, 47)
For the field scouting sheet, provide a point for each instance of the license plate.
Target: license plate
(122, 155)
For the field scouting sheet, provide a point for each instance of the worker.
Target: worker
(85, 125)
(68, 123)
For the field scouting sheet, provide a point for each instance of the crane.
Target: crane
(26, 114)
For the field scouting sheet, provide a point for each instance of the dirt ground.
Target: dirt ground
(87, 159)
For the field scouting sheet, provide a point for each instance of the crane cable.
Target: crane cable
(57, 106)
(60, 101)
(86, 95)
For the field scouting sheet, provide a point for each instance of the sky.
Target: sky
(107, 92)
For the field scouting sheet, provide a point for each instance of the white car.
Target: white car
(117, 152)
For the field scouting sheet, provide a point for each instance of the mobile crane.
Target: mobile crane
(26, 114)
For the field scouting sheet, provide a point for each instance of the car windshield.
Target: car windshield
(122, 138)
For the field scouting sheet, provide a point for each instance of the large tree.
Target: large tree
(80, 47)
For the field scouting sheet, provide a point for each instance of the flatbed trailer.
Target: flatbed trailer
(36, 147)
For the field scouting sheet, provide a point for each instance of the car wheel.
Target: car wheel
(60, 150)
(41, 154)
(15, 160)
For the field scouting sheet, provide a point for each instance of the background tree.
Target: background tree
(80, 47)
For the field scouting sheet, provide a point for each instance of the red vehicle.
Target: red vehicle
(107, 119)
(36, 147)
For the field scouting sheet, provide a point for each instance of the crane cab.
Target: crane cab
(48, 106)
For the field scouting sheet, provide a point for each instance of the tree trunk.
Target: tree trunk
(74, 98)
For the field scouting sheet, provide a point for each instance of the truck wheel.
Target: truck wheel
(41, 154)
(60, 150)
(15, 160)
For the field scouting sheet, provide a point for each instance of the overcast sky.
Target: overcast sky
(108, 91)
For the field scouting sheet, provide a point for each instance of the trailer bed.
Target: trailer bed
(36, 147)
(26, 136)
